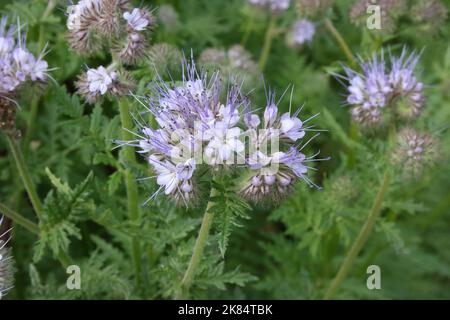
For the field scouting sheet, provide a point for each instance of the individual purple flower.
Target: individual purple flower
(138, 19)
(383, 87)
(301, 32)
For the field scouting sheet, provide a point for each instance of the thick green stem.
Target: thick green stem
(267, 43)
(18, 218)
(129, 156)
(361, 239)
(197, 253)
(342, 44)
(25, 176)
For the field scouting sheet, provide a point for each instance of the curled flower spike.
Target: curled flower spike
(17, 66)
(90, 21)
(302, 32)
(197, 128)
(415, 151)
(384, 88)
(275, 6)
(6, 265)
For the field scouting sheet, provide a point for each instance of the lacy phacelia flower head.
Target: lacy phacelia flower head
(6, 265)
(89, 21)
(276, 6)
(197, 128)
(17, 66)
(302, 32)
(385, 87)
(95, 83)
(415, 151)
(276, 159)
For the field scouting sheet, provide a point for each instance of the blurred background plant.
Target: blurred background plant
(292, 250)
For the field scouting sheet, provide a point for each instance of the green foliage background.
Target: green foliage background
(290, 250)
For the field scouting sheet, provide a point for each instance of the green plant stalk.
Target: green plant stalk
(25, 176)
(342, 44)
(267, 43)
(18, 218)
(63, 257)
(248, 30)
(197, 253)
(361, 239)
(130, 184)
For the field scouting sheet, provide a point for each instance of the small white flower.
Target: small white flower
(100, 79)
(137, 19)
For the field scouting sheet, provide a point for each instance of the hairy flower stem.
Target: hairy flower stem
(130, 184)
(342, 44)
(18, 218)
(63, 257)
(361, 239)
(267, 43)
(197, 253)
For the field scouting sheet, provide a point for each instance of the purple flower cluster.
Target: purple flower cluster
(17, 64)
(382, 86)
(197, 128)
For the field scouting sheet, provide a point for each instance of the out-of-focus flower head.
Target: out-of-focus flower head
(236, 61)
(390, 10)
(91, 21)
(415, 151)
(6, 264)
(275, 6)
(431, 13)
(312, 8)
(168, 17)
(17, 66)
(165, 57)
(385, 87)
(203, 123)
(301, 32)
